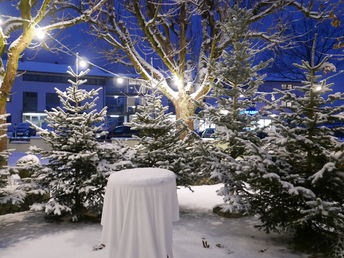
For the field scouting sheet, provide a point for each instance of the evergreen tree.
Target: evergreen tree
(9, 192)
(234, 151)
(163, 142)
(303, 188)
(78, 166)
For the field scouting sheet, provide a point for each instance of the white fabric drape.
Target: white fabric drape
(139, 208)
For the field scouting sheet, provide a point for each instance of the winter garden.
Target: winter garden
(251, 191)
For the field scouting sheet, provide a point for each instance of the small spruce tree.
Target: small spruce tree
(76, 172)
(235, 151)
(9, 193)
(303, 188)
(163, 142)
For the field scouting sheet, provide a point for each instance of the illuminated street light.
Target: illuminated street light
(40, 34)
(83, 63)
(120, 80)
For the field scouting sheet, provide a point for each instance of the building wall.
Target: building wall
(15, 106)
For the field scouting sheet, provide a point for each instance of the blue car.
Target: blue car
(24, 130)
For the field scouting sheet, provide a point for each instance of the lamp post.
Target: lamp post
(77, 63)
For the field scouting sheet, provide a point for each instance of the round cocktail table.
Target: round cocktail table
(139, 207)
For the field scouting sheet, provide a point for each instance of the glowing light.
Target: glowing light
(1, 21)
(249, 112)
(120, 80)
(177, 81)
(40, 34)
(224, 112)
(317, 88)
(83, 63)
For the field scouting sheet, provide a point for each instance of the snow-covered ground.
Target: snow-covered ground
(28, 235)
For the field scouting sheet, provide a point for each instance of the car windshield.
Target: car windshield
(120, 129)
(208, 133)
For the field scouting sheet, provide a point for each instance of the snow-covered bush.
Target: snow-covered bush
(78, 166)
(25, 165)
(9, 192)
(302, 188)
(163, 142)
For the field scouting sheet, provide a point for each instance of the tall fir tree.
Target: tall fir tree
(234, 151)
(303, 187)
(163, 142)
(76, 172)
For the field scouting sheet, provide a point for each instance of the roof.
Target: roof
(55, 68)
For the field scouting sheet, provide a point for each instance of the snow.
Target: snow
(29, 159)
(202, 199)
(15, 156)
(28, 235)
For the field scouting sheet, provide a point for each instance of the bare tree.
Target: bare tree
(303, 33)
(184, 38)
(59, 13)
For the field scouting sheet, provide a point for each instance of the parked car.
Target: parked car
(103, 136)
(24, 130)
(122, 131)
(208, 133)
(10, 130)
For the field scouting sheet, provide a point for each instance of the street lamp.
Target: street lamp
(120, 80)
(80, 62)
(83, 63)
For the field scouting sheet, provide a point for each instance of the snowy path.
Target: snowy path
(27, 235)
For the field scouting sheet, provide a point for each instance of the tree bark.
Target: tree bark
(185, 109)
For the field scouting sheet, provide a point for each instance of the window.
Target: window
(116, 104)
(60, 79)
(286, 104)
(133, 89)
(36, 118)
(30, 101)
(51, 101)
(287, 86)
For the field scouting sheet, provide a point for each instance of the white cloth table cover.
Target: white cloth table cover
(139, 208)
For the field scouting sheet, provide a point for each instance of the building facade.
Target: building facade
(34, 92)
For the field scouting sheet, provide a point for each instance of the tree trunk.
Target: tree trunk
(185, 109)
(3, 141)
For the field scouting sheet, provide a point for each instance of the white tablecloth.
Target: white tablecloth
(139, 208)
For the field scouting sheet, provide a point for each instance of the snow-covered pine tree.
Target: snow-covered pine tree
(76, 172)
(163, 142)
(236, 144)
(303, 187)
(9, 193)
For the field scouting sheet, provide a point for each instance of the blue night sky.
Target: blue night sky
(79, 40)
